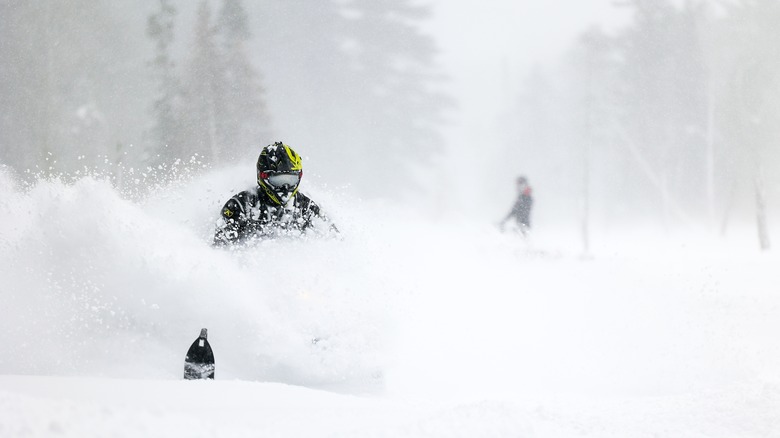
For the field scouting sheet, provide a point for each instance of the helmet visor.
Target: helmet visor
(281, 180)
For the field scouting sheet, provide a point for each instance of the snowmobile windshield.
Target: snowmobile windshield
(280, 180)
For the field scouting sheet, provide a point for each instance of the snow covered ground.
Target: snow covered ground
(426, 327)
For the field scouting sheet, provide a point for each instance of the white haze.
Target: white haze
(421, 319)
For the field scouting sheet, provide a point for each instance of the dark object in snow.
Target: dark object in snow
(199, 362)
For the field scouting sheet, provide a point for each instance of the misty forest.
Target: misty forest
(637, 298)
(89, 85)
(669, 120)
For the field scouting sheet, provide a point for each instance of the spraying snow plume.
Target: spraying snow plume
(98, 284)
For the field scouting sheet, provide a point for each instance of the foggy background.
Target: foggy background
(638, 113)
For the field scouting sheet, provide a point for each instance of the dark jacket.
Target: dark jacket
(251, 215)
(521, 210)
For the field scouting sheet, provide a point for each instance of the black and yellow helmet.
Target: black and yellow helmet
(279, 172)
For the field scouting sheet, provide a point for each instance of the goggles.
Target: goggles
(280, 180)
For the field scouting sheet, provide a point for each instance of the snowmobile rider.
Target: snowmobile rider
(273, 208)
(521, 210)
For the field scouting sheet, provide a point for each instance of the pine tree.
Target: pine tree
(204, 99)
(394, 72)
(243, 122)
(594, 121)
(52, 111)
(664, 101)
(167, 130)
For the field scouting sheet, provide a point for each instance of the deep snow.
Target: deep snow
(427, 326)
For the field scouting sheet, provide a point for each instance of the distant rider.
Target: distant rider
(521, 210)
(274, 207)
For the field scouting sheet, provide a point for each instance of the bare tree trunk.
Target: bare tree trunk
(763, 230)
(47, 112)
(586, 201)
(711, 156)
(213, 147)
(724, 224)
